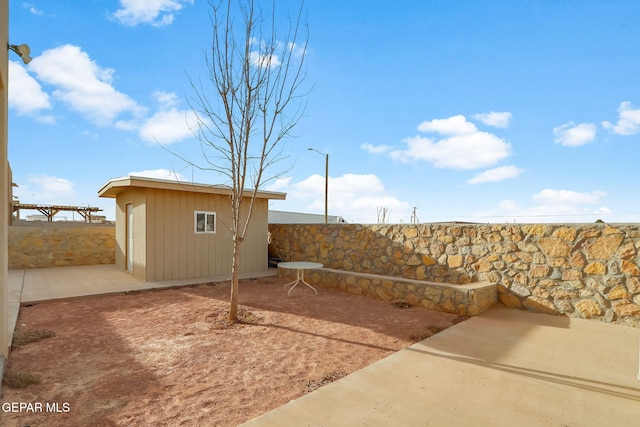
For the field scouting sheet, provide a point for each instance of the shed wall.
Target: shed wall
(175, 251)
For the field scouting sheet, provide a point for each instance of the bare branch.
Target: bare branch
(251, 103)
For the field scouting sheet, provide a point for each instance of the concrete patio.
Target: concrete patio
(501, 368)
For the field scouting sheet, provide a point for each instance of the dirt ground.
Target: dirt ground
(166, 357)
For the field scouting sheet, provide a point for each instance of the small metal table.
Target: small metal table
(300, 267)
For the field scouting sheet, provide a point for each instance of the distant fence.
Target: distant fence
(56, 244)
(580, 270)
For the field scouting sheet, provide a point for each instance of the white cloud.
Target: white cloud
(296, 50)
(167, 127)
(83, 85)
(32, 8)
(628, 120)
(279, 184)
(462, 147)
(354, 197)
(47, 119)
(574, 135)
(258, 59)
(455, 125)
(53, 185)
(154, 12)
(496, 174)
(127, 124)
(551, 206)
(376, 149)
(45, 189)
(159, 174)
(265, 54)
(25, 93)
(471, 151)
(165, 99)
(567, 197)
(499, 120)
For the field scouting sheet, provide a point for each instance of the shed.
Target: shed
(168, 230)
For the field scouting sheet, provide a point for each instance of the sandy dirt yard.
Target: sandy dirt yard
(168, 358)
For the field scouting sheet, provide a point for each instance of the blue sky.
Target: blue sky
(484, 111)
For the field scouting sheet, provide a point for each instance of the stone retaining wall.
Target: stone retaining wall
(466, 300)
(41, 245)
(580, 270)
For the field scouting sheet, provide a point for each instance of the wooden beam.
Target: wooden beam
(51, 210)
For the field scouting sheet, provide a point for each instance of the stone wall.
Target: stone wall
(580, 270)
(41, 245)
(466, 300)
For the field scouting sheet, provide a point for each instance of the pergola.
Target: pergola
(51, 210)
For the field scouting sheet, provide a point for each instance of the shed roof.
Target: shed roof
(117, 185)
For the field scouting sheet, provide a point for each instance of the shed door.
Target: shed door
(129, 237)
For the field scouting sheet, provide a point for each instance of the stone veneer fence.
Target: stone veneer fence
(580, 270)
(56, 244)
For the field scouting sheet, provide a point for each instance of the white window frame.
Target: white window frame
(206, 214)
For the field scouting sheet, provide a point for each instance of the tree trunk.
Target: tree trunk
(235, 273)
(255, 76)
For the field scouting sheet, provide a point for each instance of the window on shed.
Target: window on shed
(205, 222)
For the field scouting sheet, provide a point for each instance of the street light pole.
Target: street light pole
(326, 184)
(326, 188)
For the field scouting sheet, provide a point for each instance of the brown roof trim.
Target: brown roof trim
(115, 186)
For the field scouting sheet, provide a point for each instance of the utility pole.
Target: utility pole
(414, 216)
(326, 183)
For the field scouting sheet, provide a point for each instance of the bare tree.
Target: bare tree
(250, 102)
(383, 214)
